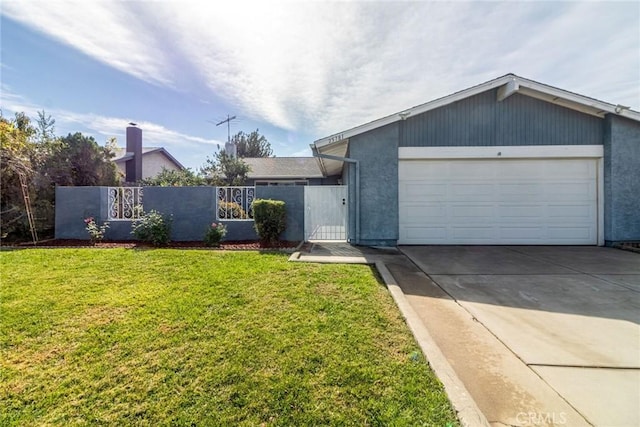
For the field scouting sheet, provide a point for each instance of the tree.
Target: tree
(45, 161)
(16, 152)
(252, 145)
(46, 126)
(224, 169)
(22, 122)
(81, 161)
(175, 178)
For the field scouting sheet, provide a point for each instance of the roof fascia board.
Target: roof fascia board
(563, 102)
(569, 99)
(169, 156)
(437, 103)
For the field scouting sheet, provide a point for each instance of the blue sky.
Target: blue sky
(298, 71)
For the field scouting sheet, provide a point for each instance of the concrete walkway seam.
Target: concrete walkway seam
(323, 259)
(468, 411)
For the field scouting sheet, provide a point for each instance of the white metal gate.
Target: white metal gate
(325, 216)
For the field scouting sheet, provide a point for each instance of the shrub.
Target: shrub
(152, 228)
(96, 232)
(231, 210)
(269, 219)
(214, 234)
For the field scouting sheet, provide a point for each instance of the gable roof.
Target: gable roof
(507, 85)
(121, 155)
(283, 167)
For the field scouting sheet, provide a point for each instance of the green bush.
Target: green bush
(231, 210)
(269, 219)
(152, 228)
(214, 234)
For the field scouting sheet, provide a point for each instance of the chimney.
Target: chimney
(134, 147)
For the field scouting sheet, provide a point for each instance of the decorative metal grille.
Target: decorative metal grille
(234, 203)
(125, 203)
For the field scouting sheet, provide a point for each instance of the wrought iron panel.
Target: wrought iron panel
(234, 203)
(124, 203)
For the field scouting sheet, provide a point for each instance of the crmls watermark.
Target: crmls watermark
(541, 418)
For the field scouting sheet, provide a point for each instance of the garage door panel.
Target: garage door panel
(415, 170)
(522, 233)
(571, 169)
(469, 212)
(517, 169)
(423, 213)
(571, 212)
(472, 233)
(516, 190)
(416, 191)
(567, 232)
(469, 191)
(421, 233)
(517, 212)
(523, 201)
(570, 191)
(466, 169)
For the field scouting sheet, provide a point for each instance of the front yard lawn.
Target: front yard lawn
(197, 337)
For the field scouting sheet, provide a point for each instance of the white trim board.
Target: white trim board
(502, 152)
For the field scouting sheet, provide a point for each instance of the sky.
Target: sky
(297, 71)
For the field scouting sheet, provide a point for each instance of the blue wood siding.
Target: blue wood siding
(483, 121)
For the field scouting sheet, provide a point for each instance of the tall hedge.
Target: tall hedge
(269, 218)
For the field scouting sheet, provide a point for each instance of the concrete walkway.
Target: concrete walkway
(520, 336)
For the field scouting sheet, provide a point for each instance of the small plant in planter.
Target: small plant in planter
(214, 235)
(96, 232)
(152, 227)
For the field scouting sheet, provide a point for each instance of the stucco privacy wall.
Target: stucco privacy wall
(621, 179)
(192, 210)
(73, 205)
(377, 152)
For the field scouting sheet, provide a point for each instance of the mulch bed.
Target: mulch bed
(128, 244)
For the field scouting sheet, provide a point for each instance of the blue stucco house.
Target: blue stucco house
(510, 161)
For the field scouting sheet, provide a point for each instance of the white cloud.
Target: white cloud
(102, 127)
(321, 67)
(108, 31)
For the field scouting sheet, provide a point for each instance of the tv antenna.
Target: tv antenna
(228, 122)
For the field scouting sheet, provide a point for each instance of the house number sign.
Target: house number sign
(335, 138)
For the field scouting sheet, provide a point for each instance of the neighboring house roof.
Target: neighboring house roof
(121, 155)
(283, 167)
(336, 144)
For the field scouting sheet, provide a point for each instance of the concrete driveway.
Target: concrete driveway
(538, 335)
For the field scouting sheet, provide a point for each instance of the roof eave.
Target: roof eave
(169, 156)
(509, 85)
(419, 109)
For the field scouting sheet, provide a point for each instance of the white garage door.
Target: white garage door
(519, 201)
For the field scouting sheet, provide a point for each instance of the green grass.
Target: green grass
(170, 337)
